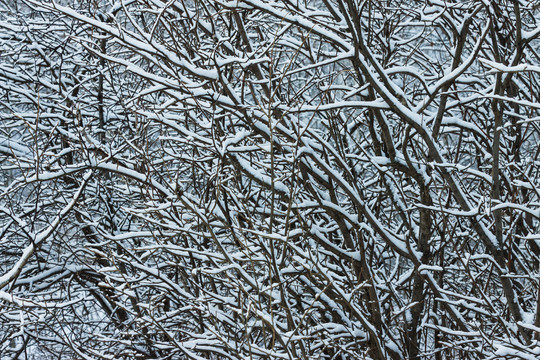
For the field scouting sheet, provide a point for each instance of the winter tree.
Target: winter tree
(255, 179)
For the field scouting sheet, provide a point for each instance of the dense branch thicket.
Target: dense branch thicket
(254, 179)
